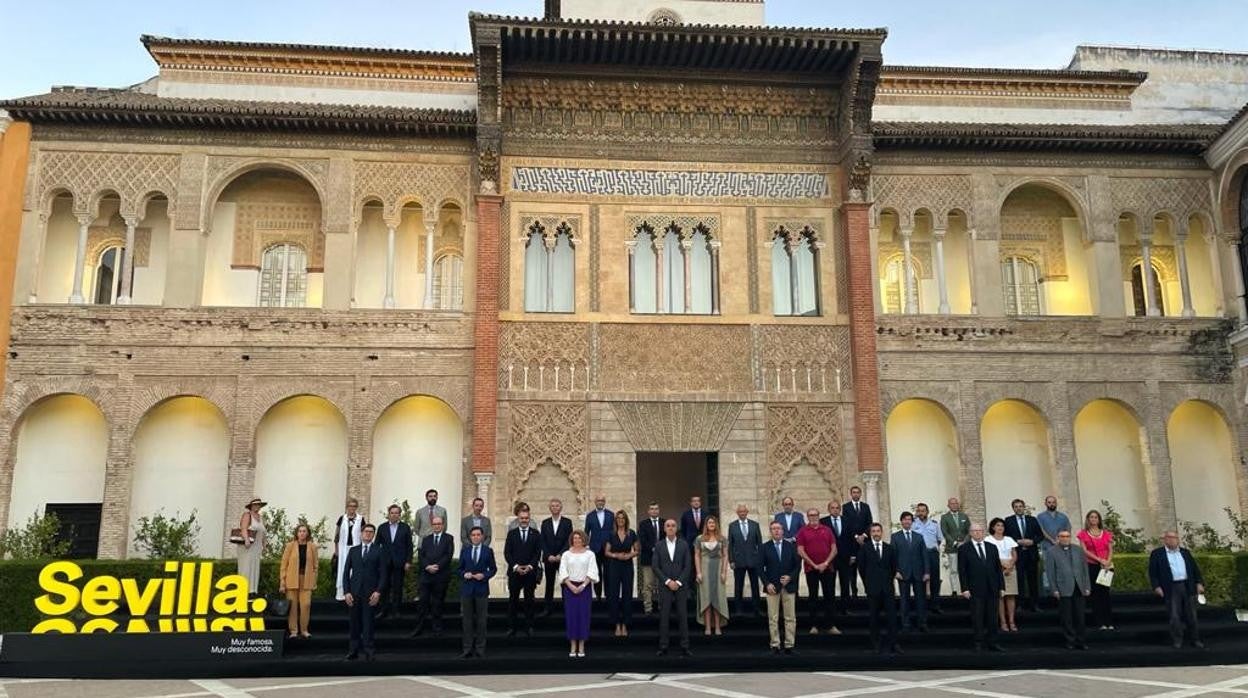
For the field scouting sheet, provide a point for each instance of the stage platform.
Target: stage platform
(1140, 639)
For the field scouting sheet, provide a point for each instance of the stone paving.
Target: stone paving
(1143, 682)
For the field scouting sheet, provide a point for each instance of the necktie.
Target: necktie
(476, 554)
(856, 507)
(350, 529)
(907, 538)
(779, 547)
(697, 518)
(836, 524)
(365, 550)
(980, 547)
(524, 535)
(655, 523)
(436, 537)
(878, 551)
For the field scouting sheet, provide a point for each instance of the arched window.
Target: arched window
(284, 277)
(549, 270)
(794, 271)
(1020, 281)
(894, 294)
(643, 264)
(107, 276)
(448, 282)
(1137, 290)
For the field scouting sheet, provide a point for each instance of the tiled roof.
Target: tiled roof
(1183, 138)
(151, 41)
(132, 108)
(1128, 76)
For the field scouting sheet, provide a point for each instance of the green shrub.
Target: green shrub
(37, 540)
(162, 537)
(1225, 580)
(279, 531)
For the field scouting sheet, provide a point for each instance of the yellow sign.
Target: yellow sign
(186, 601)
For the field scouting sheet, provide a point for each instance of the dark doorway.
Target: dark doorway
(672, 478)
(80, 525)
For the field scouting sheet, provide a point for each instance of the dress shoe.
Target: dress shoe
(1177, 645)
(420, 630)
(936, 611)
(466, 654)
(353, 656)
(684, 652)
(978, 647)
(775, 650)
(479, 654)
(790, 651)
(511, 632)
(1070, 645)
(994, 647)
(897, 649)
(1198, 644)
(832, 631)
(369, 656)
(923, 628)
(661, 653)
(1081, 646)
(543, 613)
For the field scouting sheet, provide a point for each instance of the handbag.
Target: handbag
(236, 536)
(1105, 578)
(279, 606)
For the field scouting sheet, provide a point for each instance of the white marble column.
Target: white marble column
(127, 262)
(871, 490)
(80, 259)
(686, 253)
(389, 299)
(660, 303)
(938, 237)
(631, 245)
(548, 246)
(910, 304)
(1146, 277)
(715, 276)
(430, 227)
(1215, 246)
(970, 271)
(32, 294)
(1185, 283)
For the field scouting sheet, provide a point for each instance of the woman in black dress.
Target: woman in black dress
(620, 550)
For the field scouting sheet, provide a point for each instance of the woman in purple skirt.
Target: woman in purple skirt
(578, 569)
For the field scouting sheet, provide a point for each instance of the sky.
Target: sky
(96, 43)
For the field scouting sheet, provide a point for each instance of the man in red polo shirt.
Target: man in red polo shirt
(816, 545)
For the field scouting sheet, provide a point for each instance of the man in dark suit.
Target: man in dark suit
(523, 553)
(780, 567)
(598, 526)
(845, 562)
(556, 536)
(1175, 577)
(435, 553)
(672, 565)
(476, 564)
(649, 533)
(396, 538)
(363, 584)
(744, 539)
(691, 520)
(877, 565)
(1025, 530)
(792, 521)
(858, 519)
(912, 574)
(979, 570)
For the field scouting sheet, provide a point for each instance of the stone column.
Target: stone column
(1237, 279)
(431, 226)
(871, 490)
(686, 254)
(1155, 454)
(1105, 273)
(388, 301)
(631, 246)
(868, 422)
(80, 258)
(339, 275)
(1185, 283)
(659, 306)
(483, 488)
(987, 272)
(970, 269)
(548, 247)
(485, 336)
(1214, 243)
(1147, 276)
(127, 262)
(971, 457)
(910, 305)
(942, 281)
(32, 294)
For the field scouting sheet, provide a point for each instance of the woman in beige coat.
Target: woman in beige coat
(298, 579)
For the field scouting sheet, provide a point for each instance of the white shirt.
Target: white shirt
(836, 525)
(671, 548)
(476, 554)
(745, 528)
(524, 534)
(979, 548)
(602, 517)
(394, 531)
(1004, 546)
(577, 567)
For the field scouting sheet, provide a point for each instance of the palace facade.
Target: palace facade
(643, 249)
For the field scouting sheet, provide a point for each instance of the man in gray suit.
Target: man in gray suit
(672, 564)
(426, 514)
(1067, 571)
(744, 537)
(912, 574)
(477, 519)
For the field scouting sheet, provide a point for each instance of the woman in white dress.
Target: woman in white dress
(1007, 549)
(346, 536)
(252, 549)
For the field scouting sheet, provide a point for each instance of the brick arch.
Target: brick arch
(265, 400)
(943, 396)
(145, 398)
(1038, 406)
(1232, 179)
(452, 391)
(23, 396)
(1129, 395)
(1217, 397)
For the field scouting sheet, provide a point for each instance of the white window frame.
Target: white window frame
(285, 297)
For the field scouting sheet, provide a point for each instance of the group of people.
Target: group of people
(676, 560)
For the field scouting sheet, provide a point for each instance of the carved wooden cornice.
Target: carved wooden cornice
(897, 83)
